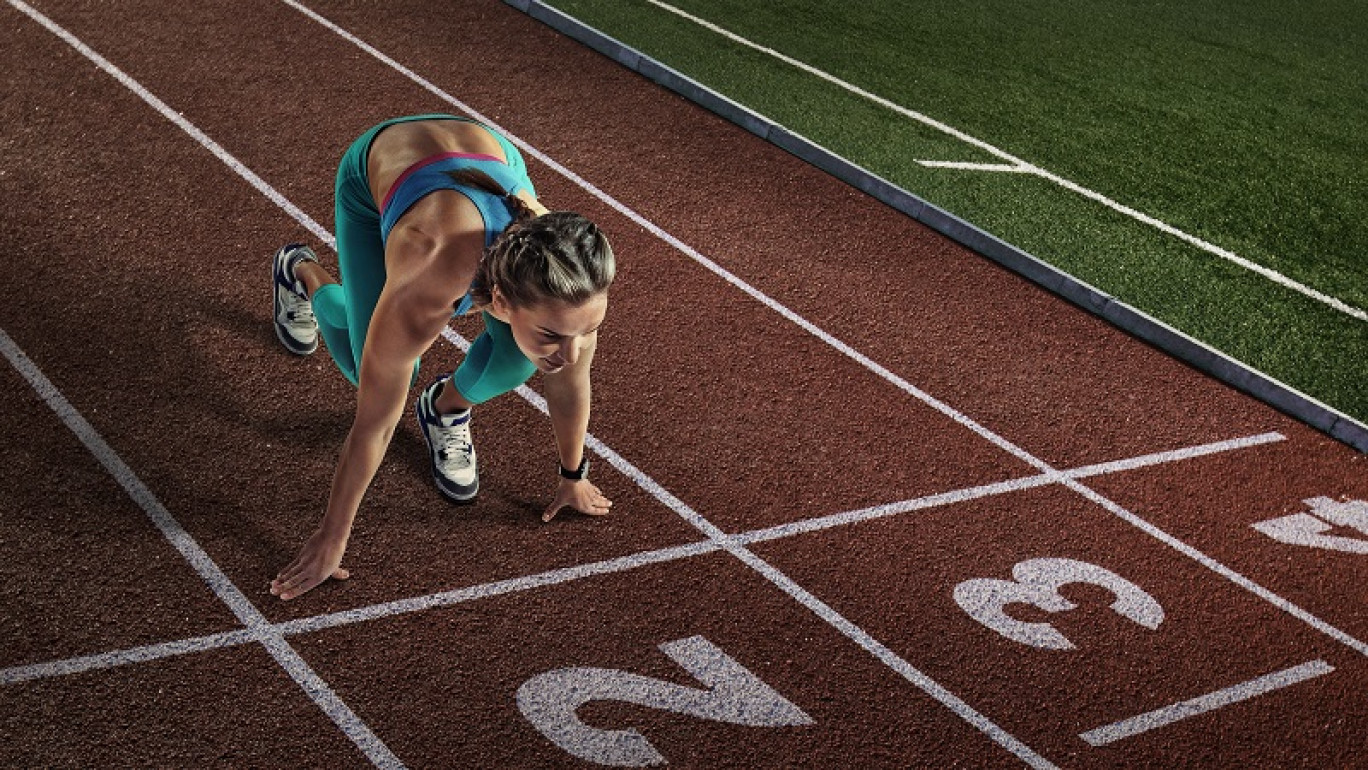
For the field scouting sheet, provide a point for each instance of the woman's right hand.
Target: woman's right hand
(319, 560)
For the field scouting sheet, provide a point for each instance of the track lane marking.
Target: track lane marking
(1002, 487)
(1021, 166)
(849, 351)
(144, 654)
(557, 576)
(317, 690)
(1203, 704)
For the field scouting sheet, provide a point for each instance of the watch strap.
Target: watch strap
(579, 473)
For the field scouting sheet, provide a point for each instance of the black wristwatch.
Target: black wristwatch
(579, 473)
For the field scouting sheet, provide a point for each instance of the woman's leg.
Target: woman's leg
(344, 310)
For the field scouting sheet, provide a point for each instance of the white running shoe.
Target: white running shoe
(450, 450)
(294, 317)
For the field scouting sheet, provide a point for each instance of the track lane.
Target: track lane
(681, 274)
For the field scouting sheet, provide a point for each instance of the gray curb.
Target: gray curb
(1177, 344)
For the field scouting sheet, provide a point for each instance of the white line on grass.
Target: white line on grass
(247, 613)
(1206, 703)
(1008, 168)
(849, 351)
(609, 566)
(1020, 165)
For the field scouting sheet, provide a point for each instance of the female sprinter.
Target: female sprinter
(436, 217)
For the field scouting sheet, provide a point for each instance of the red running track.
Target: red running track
(903, 557)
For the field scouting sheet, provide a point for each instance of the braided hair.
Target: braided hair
(556, 256)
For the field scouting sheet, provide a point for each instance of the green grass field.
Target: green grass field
(1242, 124)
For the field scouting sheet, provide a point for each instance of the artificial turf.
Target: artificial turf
(1242, 124)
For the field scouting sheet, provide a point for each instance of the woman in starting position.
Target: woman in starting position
(436, 217)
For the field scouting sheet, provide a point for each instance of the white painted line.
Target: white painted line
(1002, 487)
(497, 588)
(84, 663)
(317, 690)
(1007, 168)
(620, 564)
(892, 509)
(1020, 165)
(1206, 703)
(1177, 454)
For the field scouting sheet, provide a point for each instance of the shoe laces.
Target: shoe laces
(297, 306)
(302, 313)
(456, 448)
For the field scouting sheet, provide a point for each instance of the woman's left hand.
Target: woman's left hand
(580, 495)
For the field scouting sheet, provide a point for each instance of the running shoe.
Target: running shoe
(294, 317)
(450, 451)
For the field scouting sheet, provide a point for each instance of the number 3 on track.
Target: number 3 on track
(734, 695)
(1037, 583)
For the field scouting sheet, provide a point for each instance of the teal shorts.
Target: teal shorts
(494, 364)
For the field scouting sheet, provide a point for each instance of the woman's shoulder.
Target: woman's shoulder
(442, 230)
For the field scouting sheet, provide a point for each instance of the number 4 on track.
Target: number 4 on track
(1306, 529)
(733, 695)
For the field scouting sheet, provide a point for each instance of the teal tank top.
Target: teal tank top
(430, 174)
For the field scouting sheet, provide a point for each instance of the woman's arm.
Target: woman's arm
(567, 401)
(414, 307)
(399, 332)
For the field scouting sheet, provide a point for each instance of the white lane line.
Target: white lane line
(497, 588)
(621, 564)
(247, 613)
(144, 654)
(857, 356)
(1018, 164)
(1177, 454)
(1206, 703)
(1006, 168)
(161, 107)
(884, 510)
(998, 488)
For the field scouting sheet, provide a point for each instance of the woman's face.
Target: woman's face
(552, 334)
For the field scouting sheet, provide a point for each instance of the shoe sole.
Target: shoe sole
(285, 339)
(436, 480)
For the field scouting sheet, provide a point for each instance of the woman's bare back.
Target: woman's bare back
(401, 145)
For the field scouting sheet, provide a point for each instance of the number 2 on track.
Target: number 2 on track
(1037, 583)
(734, 695)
